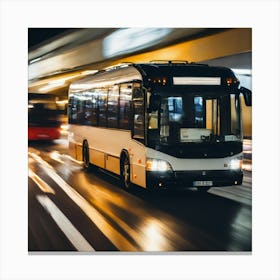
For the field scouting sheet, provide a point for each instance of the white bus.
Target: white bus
(160, 124)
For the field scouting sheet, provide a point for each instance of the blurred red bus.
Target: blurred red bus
(43, 117)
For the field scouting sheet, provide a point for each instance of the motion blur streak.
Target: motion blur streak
(116, 238)
(40, 183)
(150, 233)
(109, 202)
(127, 40)
(242, 220)
(74, 236)
(154, 230)
(56, 156)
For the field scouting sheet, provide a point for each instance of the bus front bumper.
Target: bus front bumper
(190, 179)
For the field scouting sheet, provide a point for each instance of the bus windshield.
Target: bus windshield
(198, 117)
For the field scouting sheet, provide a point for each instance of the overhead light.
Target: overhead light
(35, 60)
(52, 85)
(127, 40)
(89, 72)
(58, 83)
(62, 81)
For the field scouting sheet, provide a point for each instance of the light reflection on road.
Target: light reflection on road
(130, 221)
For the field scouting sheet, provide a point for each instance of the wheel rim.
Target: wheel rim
(126, 174)
(85, 157)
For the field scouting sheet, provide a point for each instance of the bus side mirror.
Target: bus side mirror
(155, 101)
(247, 95)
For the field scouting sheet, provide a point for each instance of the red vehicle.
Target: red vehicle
(43, 118)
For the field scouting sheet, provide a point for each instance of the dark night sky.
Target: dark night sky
(38, 35)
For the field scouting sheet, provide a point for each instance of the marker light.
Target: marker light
(157, 165)
(158, 80)
(231, 81)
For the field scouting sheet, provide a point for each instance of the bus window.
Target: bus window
(175, 108)
(138, 114)
(199, 112)
(88, 109)
(153, 111)
(153, 120)
(113, 106)
(184, 118)
(72, 111)
(81, 110)
(102, 103)
(125, 98)
(93, 117)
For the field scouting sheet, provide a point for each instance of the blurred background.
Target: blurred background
(58, 56)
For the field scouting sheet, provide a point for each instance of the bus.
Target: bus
(160, 125)
(43, 117)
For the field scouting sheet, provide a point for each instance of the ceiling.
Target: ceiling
(56, 62)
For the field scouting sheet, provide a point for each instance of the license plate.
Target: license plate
(202, 183)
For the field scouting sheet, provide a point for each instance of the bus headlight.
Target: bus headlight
(158, 165)
(235, 163)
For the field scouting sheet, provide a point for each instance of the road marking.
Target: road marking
(72, 234)
(104, 226)
(40, 183)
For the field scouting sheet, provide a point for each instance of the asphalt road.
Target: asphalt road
(70, 209)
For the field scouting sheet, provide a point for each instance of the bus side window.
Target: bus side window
(102, 104)
(113, 106)
(125, 100)
(94, 107)
(138, 114)
(80, 110)
(73, 109)
(70, 109)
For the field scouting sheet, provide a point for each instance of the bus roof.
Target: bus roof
(183, 69)
(148, 71)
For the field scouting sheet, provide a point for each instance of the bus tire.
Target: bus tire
(125, 172)
(86, 163)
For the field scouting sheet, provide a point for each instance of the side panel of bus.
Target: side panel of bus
(105, 148)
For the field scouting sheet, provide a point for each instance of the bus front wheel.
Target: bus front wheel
(125, 173)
